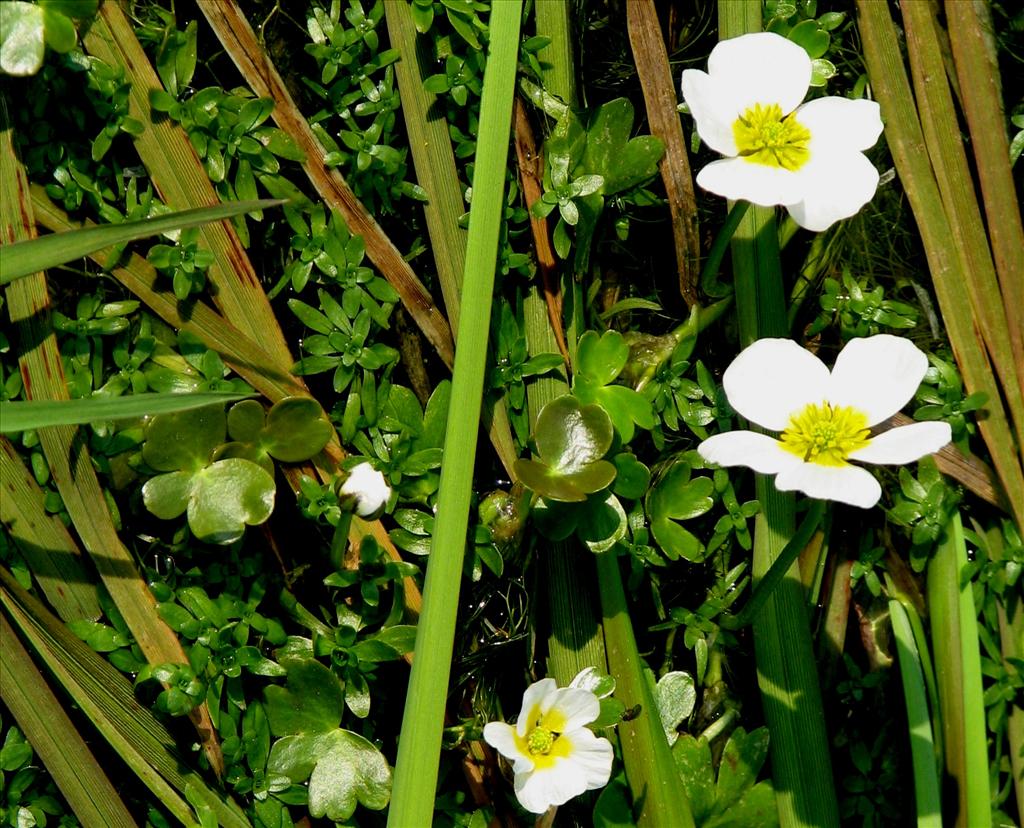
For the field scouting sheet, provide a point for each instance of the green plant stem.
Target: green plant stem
(958, 674)
(713, 261)
(786, 668)
(420, 741)
(922, 746)
(658, 797)
(780, 566)
(434, 161)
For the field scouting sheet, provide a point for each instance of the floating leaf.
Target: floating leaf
(571, 440)
(599, 361)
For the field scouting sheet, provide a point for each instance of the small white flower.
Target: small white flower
(554, 755)
(808, 158)
(825, 417)
(366, 489)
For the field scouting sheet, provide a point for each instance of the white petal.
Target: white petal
(533, 704)
(834, 186)
(772, 379)
(540, 789)
(905, 444)
(877, 375)
(747, 448)
(738, 178)
(574, 707)
(841, 124)
(593, 754)
(502, 737)
(844, 484)
(762, 68)
(713, 109)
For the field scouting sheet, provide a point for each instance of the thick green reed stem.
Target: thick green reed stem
(420, 742)
(786, 668)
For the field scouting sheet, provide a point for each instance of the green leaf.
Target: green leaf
(676, 497)
(741, 761)
(602, 357)
(220, 499)
(675, 695)
(693, 760)
(813, 40)
(24, 415)
(756, 807)
(311, 702)
(623, 162)
(22, 43)
(59, 31)
(184, 440)
(343, 768)
(571, 440)
(25, 257)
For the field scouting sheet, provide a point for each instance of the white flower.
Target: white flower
(366, 489)
(554, 755)
(825, 417)
(808, 158)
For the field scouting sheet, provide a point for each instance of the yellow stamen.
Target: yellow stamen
(763, 136)
(826, 434)
(540, 741)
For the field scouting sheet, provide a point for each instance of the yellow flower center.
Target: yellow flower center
(540, 740)
(763, 136)
(826, 434)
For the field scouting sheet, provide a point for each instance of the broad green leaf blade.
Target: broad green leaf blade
(31, 256)
(419, 748)
(31, 414)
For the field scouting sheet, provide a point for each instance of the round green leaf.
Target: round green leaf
(184, 440)
(569, 436)
(246, 420)
(227, 496)
(632, 477)
(813, 40)
(166, 495)
(296, 429)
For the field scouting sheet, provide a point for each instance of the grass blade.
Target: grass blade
(658, 796)
(958, 674)
(434, 161)
(922, 745)
(949, 162)
(21, 416)
(55, 738)
(31, 256)
(973, 43)
(44, 541)
(905, 139)
(418, 750)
